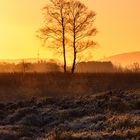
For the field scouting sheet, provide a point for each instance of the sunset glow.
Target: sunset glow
(117, 21)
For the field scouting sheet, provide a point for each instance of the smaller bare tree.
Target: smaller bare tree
(81, 28)
(24, 67)
(136, 67)
(54, 31)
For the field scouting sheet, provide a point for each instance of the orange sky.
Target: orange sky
(117, 21)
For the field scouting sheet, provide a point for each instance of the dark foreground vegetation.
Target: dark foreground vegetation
(57, 106)
(16, 86)
(113, 115)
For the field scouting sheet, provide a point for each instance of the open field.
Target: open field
(18, 86)
(58, 106)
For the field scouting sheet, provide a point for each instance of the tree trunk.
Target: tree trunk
(74, 62)
(64, 49)
(64, 55)
(74, 50)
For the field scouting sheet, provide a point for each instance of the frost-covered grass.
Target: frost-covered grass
(113, 115)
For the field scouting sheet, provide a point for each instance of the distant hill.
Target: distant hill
(124, 59)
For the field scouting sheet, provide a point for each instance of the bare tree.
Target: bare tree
(136, 67)
(55, 27)
(81, 28)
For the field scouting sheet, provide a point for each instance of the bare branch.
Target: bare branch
(82, 46)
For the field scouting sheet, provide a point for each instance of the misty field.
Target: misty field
(57, 106)
(16, 86)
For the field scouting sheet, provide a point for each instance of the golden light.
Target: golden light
(117, 23)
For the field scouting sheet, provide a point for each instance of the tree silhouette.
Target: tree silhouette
(68, 23)
(54, 29)
(81, 28)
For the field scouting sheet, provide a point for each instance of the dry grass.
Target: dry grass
(87, 117)
(18, 86)
(60, 106)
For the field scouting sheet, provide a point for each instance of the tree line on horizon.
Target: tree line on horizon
(68, 26)
(81, 67)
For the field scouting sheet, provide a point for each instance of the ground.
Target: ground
(110, 115)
